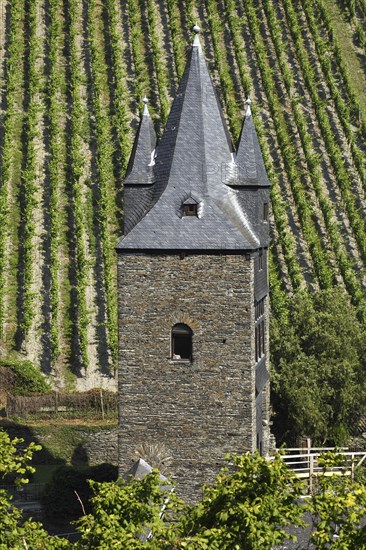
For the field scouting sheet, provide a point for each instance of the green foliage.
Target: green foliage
(60, 499)
(249, 507)
(9, 123)
(338, 508)
(14, 533)
(124, 512)
(28, 379)
(318, 375)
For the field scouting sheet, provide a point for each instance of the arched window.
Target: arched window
(181, 342)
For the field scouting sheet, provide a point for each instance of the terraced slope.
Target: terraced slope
(72, 77)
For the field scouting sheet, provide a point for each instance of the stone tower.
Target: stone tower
(193, 288)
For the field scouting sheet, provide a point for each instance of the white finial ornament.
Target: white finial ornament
(249, 112)
(145, 101)
(196, 30)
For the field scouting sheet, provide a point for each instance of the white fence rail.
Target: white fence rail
(304, 461)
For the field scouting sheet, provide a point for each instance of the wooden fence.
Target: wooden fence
(94, 404)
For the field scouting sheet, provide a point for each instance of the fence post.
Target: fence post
(101, 403)
(311, 473)
(308, 450)
(56, 403)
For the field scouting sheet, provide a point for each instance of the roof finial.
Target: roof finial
(196, 30)
(248, 112)
(146, 110)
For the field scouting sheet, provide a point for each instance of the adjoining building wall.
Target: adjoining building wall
(197, 411)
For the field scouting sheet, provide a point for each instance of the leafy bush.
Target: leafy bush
(60, 499)
(318, 379)
(27, 378)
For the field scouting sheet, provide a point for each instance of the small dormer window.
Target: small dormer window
(265, 212)
(190, 207)
(190, 210)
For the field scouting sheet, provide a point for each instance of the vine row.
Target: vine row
(12, 119)
(159, 61)
(76, 163)
(55, 84)
(29, 172)
(104, 156)
(344, 110)
(120, 91)
(141, 84)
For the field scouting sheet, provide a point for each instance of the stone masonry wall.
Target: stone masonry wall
(196, 411)
(102, 446)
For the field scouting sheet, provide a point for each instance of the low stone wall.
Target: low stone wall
(81, 445)
(102, 446)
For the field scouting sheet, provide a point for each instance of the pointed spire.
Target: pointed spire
(251, 169)
(196, 142)
(139, 170)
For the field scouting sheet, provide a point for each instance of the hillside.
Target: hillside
(72, 78)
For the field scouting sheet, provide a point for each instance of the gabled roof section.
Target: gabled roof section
(191, 160)
(140, 167)
(190, 200)
(249, 160)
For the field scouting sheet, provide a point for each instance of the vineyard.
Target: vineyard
(73, 74)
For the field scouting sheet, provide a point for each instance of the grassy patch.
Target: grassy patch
(343, 34)
(60, 440)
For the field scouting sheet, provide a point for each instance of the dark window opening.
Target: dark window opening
(265, 211)
(259, 444)
(259, 329)
(260, 259)
(181, 342)
(190, 209)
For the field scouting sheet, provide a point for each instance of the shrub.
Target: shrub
(27, 378)
(60, 500)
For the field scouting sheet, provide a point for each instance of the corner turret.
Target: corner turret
(140, 177)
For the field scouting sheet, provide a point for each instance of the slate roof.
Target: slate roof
(249, 160)
(140, 166)
(140, 469)
(195, 159)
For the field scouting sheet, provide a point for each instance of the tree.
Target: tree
(318, 370)
(126, 512)
(338, 507)
(250, 507)
(14, 533)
